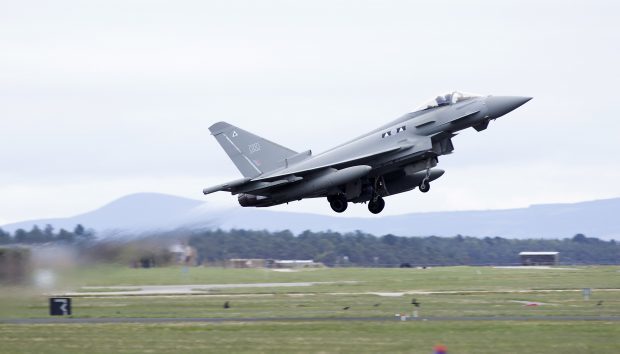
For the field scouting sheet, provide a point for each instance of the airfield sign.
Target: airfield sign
(60, 306)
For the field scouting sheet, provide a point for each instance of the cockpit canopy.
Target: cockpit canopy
(447, 99)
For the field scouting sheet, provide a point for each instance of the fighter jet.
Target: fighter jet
(396, 157)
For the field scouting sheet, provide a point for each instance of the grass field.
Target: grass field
(357, 292)
(382, 337)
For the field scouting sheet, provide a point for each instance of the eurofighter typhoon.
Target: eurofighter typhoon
(394, 158)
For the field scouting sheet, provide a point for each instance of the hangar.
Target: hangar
(539, 258)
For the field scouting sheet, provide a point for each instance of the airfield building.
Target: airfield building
(15, 264)
(296, 263)
(272, 263)
(539, 258)
(246, 263)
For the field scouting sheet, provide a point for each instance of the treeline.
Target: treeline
(359, 249)
(47, 235)
(330, 248)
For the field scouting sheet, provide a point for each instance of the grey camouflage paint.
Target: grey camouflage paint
(394, 158)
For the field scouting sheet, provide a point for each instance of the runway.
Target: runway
(146, 320)
(191, 289)
(206, 289)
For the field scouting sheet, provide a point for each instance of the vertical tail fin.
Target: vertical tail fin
(251, 154)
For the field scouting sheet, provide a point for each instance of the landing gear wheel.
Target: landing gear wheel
(424, 186)
(338, 203)
(376, 206)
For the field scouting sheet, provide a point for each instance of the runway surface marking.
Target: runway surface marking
(184, 289)
(203, 290)
(535, 267)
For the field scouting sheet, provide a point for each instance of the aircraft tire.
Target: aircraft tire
(377, 206)
(338, 204)
(424, 186)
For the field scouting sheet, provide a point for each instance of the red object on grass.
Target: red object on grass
(440, 349)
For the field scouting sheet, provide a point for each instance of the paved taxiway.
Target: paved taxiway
(69, 320)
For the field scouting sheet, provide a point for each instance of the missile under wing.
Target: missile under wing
(397, 157)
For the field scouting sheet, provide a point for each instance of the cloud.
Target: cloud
(100, 99)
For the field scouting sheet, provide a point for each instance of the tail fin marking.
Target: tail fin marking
(251, 154)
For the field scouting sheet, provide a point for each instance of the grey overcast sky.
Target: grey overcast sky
(99, 99)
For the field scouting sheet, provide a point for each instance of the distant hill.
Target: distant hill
(146, 212)
(132, 213)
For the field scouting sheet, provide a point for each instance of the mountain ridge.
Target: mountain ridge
(152, 212)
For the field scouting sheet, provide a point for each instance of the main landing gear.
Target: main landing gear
(376, 205)
(338, 203)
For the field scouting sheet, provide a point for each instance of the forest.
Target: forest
(333, 248)
(36, 235)
(359, 249)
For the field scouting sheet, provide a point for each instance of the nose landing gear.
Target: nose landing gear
(424, 186)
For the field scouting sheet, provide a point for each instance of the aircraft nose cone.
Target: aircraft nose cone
(497, 106)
